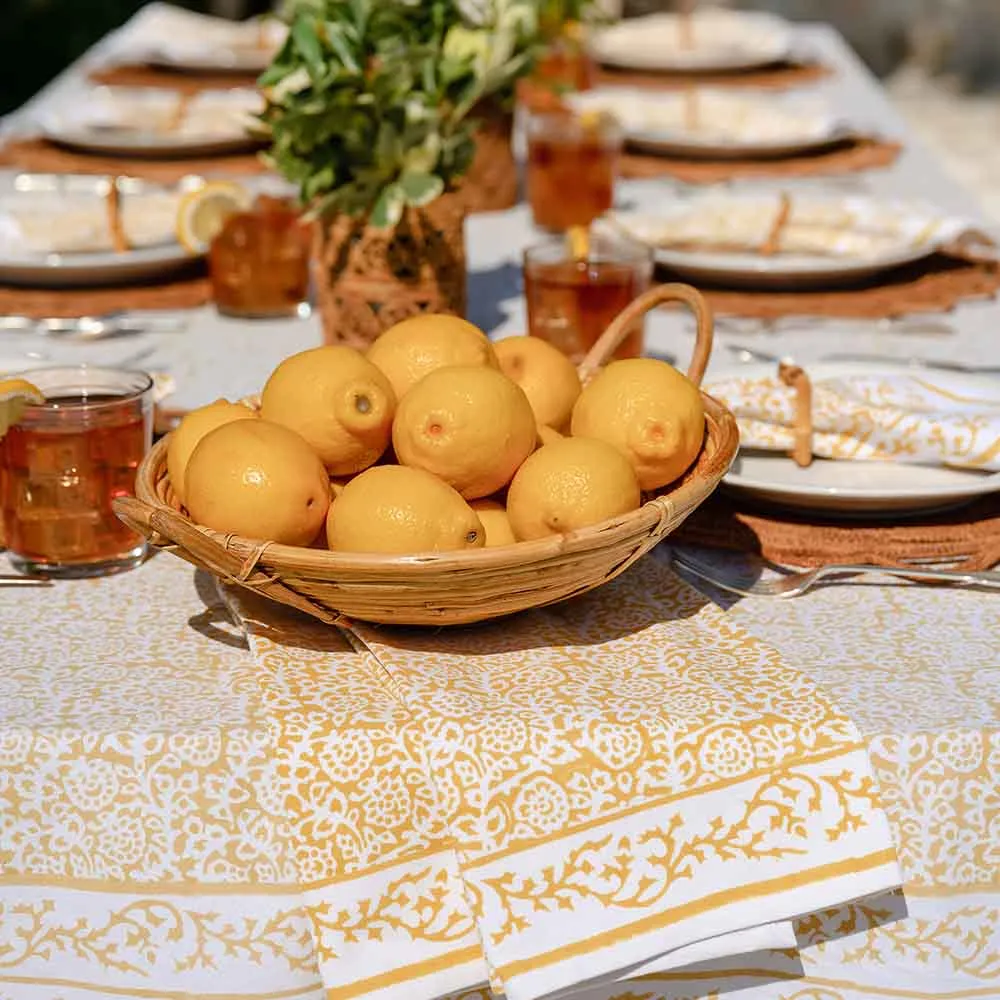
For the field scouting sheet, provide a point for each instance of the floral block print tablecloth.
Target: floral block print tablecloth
(147, 850)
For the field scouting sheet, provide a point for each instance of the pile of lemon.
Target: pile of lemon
(435, 440)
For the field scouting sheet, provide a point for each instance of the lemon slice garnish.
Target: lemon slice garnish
(15, 395)
(578, 242)
(203, 212)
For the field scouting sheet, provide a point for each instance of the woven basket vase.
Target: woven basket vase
(450, 588)
(491, 183)
(369, 279)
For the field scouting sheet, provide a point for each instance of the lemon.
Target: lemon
(395, 510)
(15, 395)
(570, 484)
(338, 401)
(470, 426)
(259, 480)
(650, 412)
(496, 523)
(192, 428)
(408, 351)
(202, 212)
(546, 375)
(546, 435)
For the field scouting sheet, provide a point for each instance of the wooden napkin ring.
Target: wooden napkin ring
(794, 377)
(180, 111)
(685, 23)
(691, 109)
(114, 205)
(773, 242)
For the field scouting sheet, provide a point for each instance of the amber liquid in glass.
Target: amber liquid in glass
(259, 262)
(57, 482)
(571, 180)
(571, 303)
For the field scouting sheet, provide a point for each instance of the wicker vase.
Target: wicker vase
(491, 184)
(368, 279)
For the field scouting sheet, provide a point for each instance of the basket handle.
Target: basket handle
(618, 329)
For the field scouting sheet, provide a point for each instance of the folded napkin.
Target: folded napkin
(722, 35)
(149, 111)
(614, 786)
(712, 115)
(162, 30)
(61, 222)
(832, 227)
(923, 419)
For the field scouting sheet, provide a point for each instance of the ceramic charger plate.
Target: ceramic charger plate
(54, 197)
(724, 41)
(136, 121)
(859, 489)
(921, 231)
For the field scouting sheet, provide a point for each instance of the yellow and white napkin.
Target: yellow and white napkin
(34, 222)
(721, 116)
(919, 418)
(851, 227)
(619, 785)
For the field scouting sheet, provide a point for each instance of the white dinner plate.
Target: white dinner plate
(48, 195)
(137, 121)
(922, 231)
(858, 489)
(725, 41)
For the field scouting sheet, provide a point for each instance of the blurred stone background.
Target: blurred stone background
(940, 59)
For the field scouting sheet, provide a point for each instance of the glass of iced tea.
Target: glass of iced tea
(572, 297)
(259, 262)
(65, 461)
(571, 170)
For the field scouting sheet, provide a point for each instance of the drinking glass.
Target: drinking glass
(65, 461)
(259, 263)
(572, 298)
(571, 170)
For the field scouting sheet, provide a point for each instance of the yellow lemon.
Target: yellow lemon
(338, 401)
(192, 428)
(570, 484)
(650, 412)
(496, 523)
(546, 435)
(470, 426)
(15, 395)
(546, 375)
(203, 212)
(260, 480)
(395, 510)
(408, 351)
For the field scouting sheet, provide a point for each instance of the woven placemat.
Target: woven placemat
(46, 157)
(935, 284)
(186, 83)
(725, 522)
(850, 156)
(183, 292)
(779, 76)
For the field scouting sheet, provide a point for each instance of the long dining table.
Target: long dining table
(142, 852)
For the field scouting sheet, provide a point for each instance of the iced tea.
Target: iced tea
(572, 300)
(259, 262)
(65, 462)
(572, 164)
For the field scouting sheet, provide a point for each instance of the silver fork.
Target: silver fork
(795, 583)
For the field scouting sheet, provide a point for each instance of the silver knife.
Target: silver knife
(93, 327)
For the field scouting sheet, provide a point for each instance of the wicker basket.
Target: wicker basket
(368, 279)
(491, 183)
(450, 588)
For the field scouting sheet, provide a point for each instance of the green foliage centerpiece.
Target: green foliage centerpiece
(369, 110)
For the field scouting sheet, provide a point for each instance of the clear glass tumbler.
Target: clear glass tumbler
(64, 463)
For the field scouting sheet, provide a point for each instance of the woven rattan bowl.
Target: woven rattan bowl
(449, 588)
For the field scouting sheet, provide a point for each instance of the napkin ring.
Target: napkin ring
(772, 244)
(796, 378)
